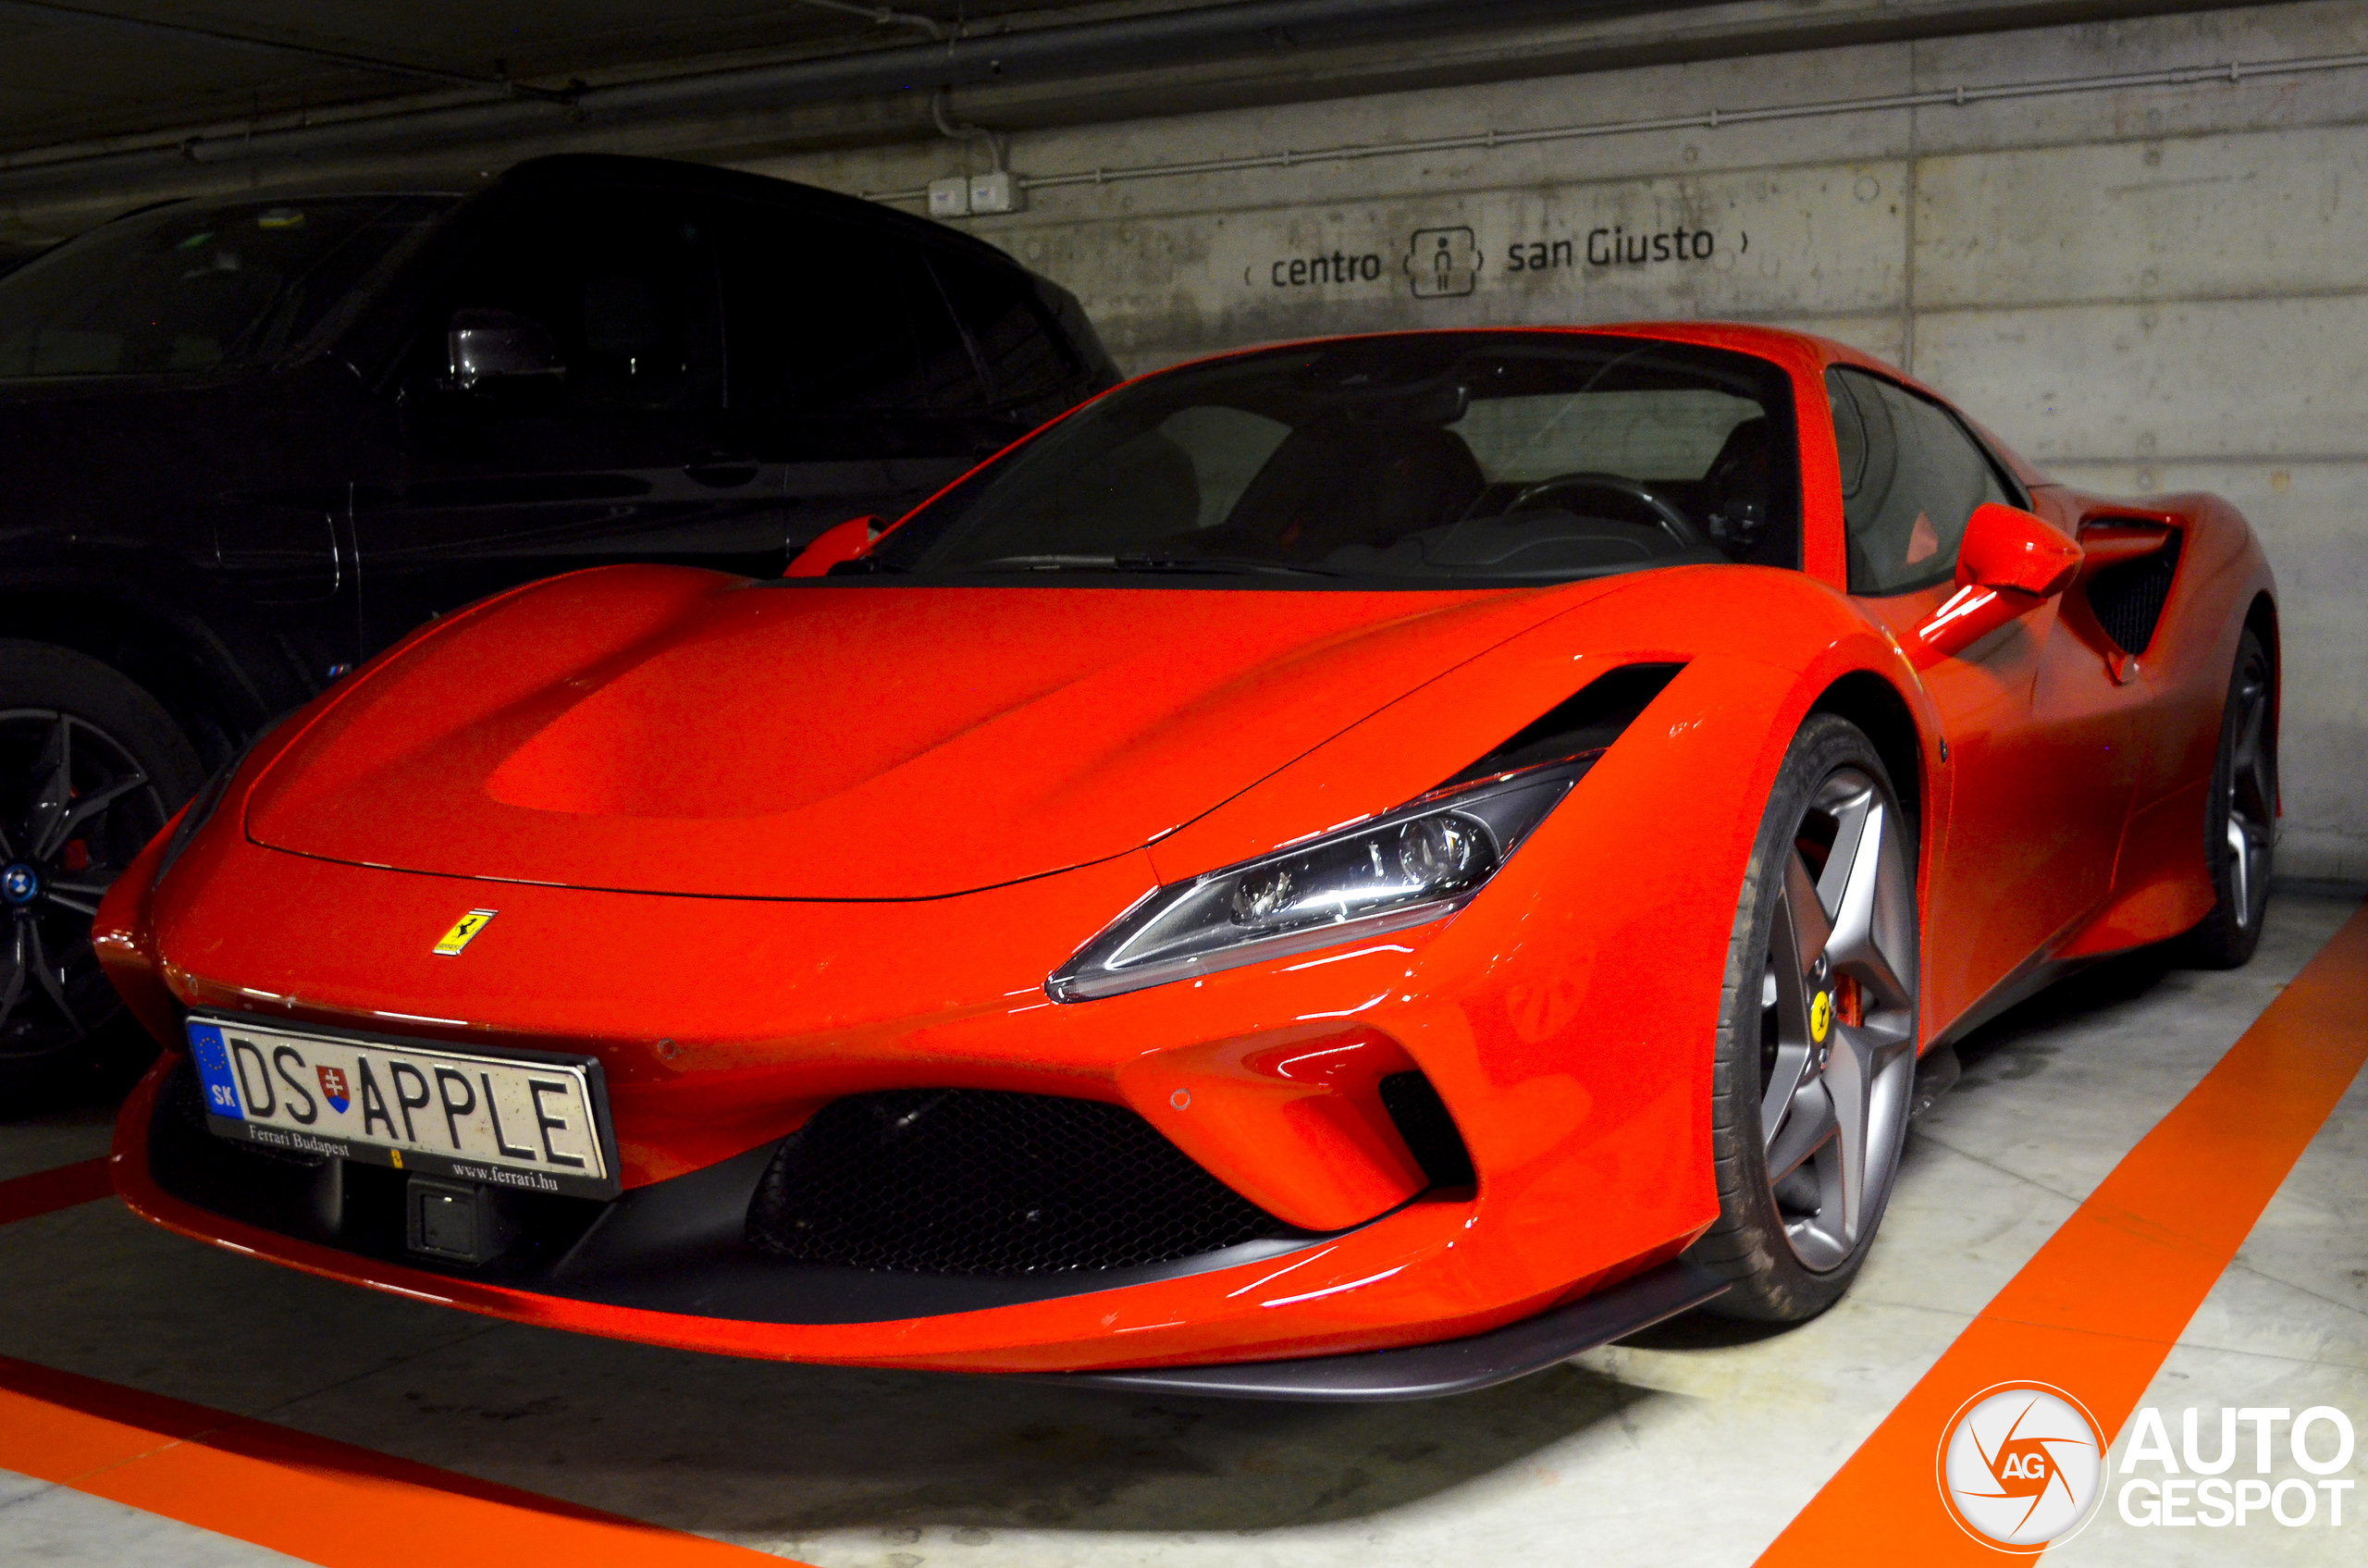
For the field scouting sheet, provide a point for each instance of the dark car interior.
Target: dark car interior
(1465, 456)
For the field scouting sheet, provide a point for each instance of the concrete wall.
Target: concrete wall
(2143, 289)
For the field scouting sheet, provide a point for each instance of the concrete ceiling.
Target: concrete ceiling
(73, 72)
(108, 102)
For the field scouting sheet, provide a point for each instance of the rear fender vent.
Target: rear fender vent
(1422, 1119)
(2128, 598)
(972, 1181)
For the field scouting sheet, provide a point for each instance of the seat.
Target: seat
(1738, 494)
(1353, 482)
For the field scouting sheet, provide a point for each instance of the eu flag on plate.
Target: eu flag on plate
(214, 1071)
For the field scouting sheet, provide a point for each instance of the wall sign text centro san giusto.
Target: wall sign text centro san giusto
(1446, 263)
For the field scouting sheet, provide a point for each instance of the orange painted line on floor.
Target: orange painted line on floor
(313, 1498)
(24, 1196)
(2099, 1306)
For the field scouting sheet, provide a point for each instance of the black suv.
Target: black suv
(245, 445)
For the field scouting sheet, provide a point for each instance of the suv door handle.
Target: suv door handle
(722, 471)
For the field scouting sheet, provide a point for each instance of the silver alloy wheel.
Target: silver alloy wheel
(2252, 793)
(1838, 1020)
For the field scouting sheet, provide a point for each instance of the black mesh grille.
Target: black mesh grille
(979, 1181)
(1422, 1121)
(2128, 598)
(183, 1100)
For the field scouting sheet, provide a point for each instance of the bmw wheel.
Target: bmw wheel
(90, 767)
(1816, 1052)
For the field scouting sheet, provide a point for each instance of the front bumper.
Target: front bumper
(668, 1263)
(724, 1026)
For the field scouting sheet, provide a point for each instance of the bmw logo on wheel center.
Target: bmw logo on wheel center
(20, 884)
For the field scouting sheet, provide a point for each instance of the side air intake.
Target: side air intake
(1422, 1119)
(2128, 598)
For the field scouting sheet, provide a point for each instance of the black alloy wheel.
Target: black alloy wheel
(2240, 823)
(90, 767)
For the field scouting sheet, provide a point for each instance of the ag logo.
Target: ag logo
(1442, 263)
(1820, 1017)
(2021, 1467)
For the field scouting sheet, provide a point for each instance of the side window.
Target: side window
(823, 317)
(1911, 477)
(1031, 374)
(626, 285)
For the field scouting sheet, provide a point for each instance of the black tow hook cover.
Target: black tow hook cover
(457, 1221)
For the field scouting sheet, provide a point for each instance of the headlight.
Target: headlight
(1412, 865)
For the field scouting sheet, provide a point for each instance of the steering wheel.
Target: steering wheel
(1673, 523)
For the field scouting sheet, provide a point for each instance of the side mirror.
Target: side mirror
(2008, 562)
(497, 345)
(844, 541)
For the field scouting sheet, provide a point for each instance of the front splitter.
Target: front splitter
(1450, 1367)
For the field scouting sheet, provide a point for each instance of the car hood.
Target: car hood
(664, 730)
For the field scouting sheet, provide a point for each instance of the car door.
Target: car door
(849, 372)
(2040, 760)
(629, 455)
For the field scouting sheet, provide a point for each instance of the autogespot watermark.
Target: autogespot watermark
(2160, 1487)
(2024, 1466)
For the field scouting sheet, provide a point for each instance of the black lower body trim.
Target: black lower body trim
(1452, 1366)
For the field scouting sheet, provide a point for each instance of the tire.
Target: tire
(1814, 1060)
(2240, 823)
(91, 766)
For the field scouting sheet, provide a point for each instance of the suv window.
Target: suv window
(183, 288)
(822, 317)
(626, 285)
(1031, 373)
(1911, 477)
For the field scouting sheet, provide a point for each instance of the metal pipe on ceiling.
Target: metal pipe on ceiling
(374, 63)
(2230, 71)
(880, 16)
(1245, 27)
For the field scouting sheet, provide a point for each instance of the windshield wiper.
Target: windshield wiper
(1048, 562)
(1229, 564)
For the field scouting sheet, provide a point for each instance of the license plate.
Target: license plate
(530, 1121)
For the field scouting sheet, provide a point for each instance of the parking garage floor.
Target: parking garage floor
(164, 1402)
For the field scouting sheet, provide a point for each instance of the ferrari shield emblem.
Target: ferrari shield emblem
(463, 932)
(333, 1088)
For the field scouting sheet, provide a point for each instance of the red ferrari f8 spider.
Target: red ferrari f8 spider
(1343, 870)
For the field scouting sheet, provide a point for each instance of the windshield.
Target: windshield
(1419, 459)
(181, 289)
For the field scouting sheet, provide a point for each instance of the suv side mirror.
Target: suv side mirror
(2008, 562)
(497, 345)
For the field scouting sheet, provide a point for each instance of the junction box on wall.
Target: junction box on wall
(959, 195)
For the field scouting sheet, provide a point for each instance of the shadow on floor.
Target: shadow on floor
(2107, 984)
(775, 1452)
(91, 1080)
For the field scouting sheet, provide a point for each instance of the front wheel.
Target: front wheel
(1816, 1052)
